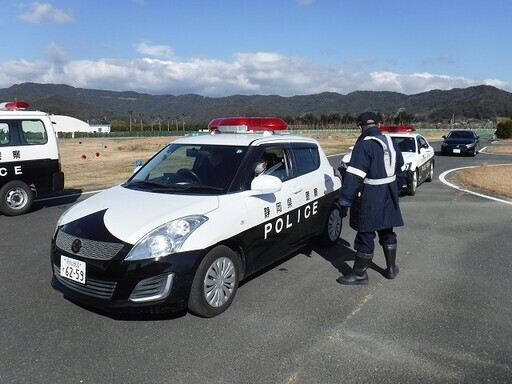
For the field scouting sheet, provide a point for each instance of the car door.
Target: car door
(275, 220)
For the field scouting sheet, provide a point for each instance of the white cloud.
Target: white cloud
(162, 51)
(45, 12)
(248, 73)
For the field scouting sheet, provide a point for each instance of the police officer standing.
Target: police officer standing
(371, 187)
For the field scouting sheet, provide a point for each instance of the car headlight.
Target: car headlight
(444, 145)
(470, 145)
(166, 239)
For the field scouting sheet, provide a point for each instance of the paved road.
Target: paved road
(447, 318)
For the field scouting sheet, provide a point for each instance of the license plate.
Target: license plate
(72, 269)
(456, 151)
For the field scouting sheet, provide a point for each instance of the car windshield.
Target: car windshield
(460, 135)
(189, 168)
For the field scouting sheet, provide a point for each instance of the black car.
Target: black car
(460, 142)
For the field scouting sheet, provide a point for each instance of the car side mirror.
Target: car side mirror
(266, 184)
(444, 136)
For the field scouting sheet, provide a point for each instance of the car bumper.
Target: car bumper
(130, 286)
(457, 151)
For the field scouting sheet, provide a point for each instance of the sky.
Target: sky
(219, 48)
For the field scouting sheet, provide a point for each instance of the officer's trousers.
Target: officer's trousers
(364, 241)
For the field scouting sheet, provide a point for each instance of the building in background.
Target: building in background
(67, 124)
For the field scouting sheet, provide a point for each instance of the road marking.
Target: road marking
(442, 177)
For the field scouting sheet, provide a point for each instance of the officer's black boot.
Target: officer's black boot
(390, 255)
(358, 276)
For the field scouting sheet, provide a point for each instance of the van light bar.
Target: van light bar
(13, 106)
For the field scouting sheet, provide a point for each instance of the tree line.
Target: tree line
(142, 122)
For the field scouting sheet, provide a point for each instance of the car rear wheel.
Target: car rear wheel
(215, 282)
(16, 198)
(332, 227)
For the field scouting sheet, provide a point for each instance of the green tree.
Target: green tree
(504, 129)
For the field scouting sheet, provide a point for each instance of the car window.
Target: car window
(307, 158)
(422, 143)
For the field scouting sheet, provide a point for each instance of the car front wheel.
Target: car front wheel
(430, 176)
(215, 282)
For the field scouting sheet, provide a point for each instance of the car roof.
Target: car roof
(21, 113)
(243, 139)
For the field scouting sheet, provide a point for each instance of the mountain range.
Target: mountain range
(102, 106)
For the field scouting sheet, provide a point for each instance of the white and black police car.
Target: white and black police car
(196, 219)
(418, 156)
(29, 158)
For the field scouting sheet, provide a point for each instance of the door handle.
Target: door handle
(296, 189)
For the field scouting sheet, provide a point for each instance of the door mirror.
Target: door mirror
(266, 184)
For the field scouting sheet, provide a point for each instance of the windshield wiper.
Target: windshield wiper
(146, 183)
(199, 187)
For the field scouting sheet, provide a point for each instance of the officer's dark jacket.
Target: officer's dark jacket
(370, 190)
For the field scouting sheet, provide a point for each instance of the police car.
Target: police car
(418, 156)
(29, 158)
(196, 219)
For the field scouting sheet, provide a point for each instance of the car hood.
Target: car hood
(458, 141)
(130, 214)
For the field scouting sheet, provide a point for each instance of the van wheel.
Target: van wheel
(332, 228)
(16, 198)
(215, 282)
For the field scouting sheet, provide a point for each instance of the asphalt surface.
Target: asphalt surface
(446, 318)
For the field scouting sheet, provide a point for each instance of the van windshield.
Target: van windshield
(193, 168)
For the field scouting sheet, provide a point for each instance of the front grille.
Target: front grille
(94, 288)
(91, 249)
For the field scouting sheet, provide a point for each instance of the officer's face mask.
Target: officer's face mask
(260, 167)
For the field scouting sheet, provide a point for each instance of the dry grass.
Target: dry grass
(493, 179)
(92, 164)
(505, 148)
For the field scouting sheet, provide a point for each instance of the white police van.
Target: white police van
(195, 220)
(29, 158)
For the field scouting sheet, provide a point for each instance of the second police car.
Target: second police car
(195, 220)
(418, 156)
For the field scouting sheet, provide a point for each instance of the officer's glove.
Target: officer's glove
(344, 211)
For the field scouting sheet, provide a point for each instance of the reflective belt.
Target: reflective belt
(386, 180)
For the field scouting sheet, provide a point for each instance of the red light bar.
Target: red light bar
(245, 124)
(13, 106)
(397, 128)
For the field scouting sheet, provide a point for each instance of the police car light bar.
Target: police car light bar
(13, 106)
(247, 124)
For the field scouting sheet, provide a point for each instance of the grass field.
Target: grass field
(97, 163)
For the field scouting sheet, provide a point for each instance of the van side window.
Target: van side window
(33, 132)
(5, 134)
